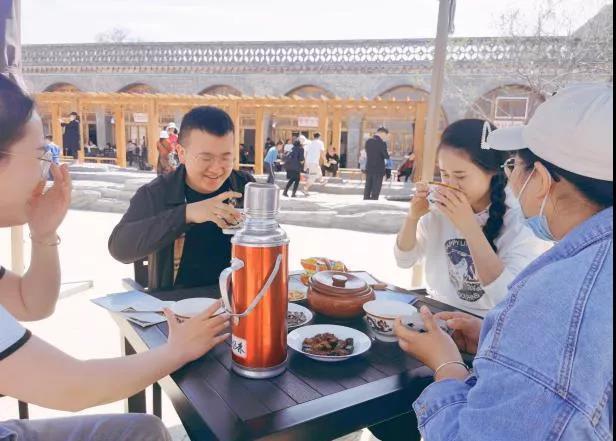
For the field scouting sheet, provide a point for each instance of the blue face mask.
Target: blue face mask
(538, 224)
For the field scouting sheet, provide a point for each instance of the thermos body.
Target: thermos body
(259, 341)
(254, 288)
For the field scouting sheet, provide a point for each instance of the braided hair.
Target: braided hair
(468, 135)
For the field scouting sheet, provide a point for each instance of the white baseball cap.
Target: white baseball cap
(164, 134)
(574, 130)
(303, 140)
(171, 126)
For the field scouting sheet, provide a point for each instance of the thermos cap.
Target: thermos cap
(261, 201)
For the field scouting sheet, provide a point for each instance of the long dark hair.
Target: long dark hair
(599, 192)
(467, 135)
(16, 110)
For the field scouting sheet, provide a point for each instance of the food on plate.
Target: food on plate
(295, 296)
(328, 345)
(315, 265)
(296, 318)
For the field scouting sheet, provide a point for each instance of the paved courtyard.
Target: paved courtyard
(86, 331)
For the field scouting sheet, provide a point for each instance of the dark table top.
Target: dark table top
(310, 401)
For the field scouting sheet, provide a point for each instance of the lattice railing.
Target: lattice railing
(329, 56)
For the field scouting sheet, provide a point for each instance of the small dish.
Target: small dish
(362, 342)
(299, 309)
(297, 290)
(190, 308)
(382, 314)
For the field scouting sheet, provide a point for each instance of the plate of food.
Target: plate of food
(297, 290)
(329, 343)
(298, 316)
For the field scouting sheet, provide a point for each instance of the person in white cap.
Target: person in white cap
(544, 364)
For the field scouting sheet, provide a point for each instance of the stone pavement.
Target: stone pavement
(337, 204)
(86, 331)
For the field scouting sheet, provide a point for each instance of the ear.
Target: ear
(544, 181)
(181, 154)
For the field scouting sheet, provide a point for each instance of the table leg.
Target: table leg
(136, 403)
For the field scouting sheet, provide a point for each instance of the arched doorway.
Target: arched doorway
(221, 89)
(507, 106)
(138, 88)
(63, 87)
(310, 91)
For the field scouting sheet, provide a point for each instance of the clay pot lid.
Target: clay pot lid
(338, 283)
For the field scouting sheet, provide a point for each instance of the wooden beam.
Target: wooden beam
(419, 141)
(337, 132)
(153, 132)
(83, 131)
(56, 125)
(120, 135)
(234, 113)
(259, 141)
(324, 123)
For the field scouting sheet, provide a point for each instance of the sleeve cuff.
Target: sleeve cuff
(16, 346)
(406, 259)
(439, 396)
(497, 290)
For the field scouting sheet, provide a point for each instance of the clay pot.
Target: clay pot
(338, 295)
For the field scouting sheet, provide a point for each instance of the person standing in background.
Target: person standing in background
(376, 155)
(164, 150)
(270, 162)
(71, 137)
(314, 156)
(52, 148)
(332, 162)
(407, 168)
(294, 164)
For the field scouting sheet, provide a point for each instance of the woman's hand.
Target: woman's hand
(467, 330)
(419, 204)
(197, 336)
(46, 211)
(455, 205)
(432, 348)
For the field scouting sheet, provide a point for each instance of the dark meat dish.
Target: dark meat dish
(295, 319)
(328, 345)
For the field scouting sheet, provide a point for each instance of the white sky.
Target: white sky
(79, 21)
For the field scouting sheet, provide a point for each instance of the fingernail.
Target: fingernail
(425, 310)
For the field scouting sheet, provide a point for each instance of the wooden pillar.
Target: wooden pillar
(234, 113)
(120, 135)
(419, 141)
(153, 132)
(56, 126)
(83, 131)
(324, 123)
(259, 141)
(336, 132)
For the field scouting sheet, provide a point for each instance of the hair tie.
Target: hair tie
(487, 129)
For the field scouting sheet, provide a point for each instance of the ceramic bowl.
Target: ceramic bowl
(381, 315)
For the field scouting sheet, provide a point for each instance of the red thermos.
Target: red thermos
(255, 288)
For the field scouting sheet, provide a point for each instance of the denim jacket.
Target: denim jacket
(544, 369)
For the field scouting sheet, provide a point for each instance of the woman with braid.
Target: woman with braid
(472, 237)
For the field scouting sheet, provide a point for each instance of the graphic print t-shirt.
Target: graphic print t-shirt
(462, 271)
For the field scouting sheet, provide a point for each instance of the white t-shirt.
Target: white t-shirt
(314, 150)
(450, 272)
(12, 335)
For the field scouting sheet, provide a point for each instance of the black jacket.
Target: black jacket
(376, 154)
(70, 139)
(294, 161)
(155, 220)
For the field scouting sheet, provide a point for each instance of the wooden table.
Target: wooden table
(311, 401)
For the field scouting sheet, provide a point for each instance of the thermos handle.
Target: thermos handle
(225, 281)
(225, 277)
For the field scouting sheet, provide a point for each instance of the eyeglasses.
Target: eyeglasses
(509, 166)
(45, 160)
(207, 160)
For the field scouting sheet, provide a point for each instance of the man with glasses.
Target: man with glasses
(178, 220)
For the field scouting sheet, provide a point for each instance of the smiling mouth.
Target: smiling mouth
(213, 178)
